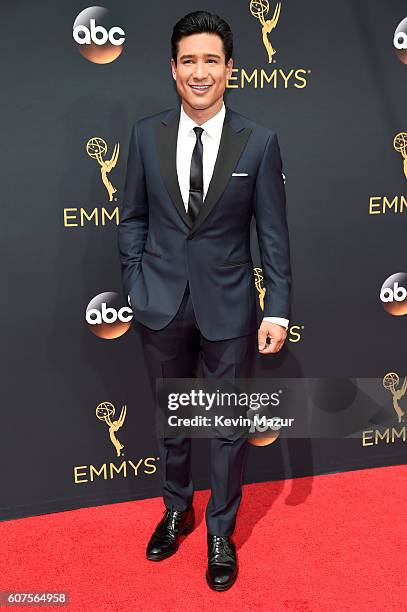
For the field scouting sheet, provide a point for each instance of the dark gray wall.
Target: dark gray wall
(336, 139)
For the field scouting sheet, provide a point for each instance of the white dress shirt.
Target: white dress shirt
(210, 141)
(185, 146)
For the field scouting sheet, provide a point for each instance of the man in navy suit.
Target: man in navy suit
(196, 175)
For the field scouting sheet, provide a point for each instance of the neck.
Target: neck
(200, 115)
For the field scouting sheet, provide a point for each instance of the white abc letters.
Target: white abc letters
(398, 294)
(98, 34)
(108, 315)
(400, 40)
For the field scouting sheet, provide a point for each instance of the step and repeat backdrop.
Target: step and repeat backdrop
(331, 80)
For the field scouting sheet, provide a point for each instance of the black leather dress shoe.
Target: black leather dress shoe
(222, 564)
(166, 538)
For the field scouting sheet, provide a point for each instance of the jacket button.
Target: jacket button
(190, 236)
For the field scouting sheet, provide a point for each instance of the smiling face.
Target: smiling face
(201, 73)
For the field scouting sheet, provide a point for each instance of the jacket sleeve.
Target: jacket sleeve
(272, 232)
(133, 225)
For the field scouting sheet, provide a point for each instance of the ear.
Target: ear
(174, 69)
(229, 68)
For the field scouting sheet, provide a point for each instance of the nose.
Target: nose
(200, 71)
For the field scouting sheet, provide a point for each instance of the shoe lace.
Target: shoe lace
(221, 546)
(174, 517)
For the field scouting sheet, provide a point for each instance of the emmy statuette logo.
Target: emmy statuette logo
(119, 466)
(260, 8)
(269, 73)
(294, 331)
(78, 216)
(400, 145)
(105, 412)
(391, 382)
(258, 282)
(96, 148)
(391, 434)
(383, 204)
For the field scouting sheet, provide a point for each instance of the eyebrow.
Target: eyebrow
(205, 54)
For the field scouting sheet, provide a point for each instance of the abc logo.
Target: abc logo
(262, 435)
(270, 435)
(393, 294)
(106, 317)
(400, 41)
(96, 37)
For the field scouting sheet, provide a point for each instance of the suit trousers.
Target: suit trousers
(174, 352)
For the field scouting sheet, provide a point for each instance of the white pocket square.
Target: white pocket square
(239, 174)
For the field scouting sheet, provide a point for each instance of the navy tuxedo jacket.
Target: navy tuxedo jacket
(161, 249)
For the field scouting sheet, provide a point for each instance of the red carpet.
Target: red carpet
(327, 543)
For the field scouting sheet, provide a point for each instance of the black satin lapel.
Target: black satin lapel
(166, 137)
(231, 147)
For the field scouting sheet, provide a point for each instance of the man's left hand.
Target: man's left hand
(277, 335)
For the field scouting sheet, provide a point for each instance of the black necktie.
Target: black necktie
(196, 177)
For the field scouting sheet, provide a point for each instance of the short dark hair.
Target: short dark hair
(202, 21)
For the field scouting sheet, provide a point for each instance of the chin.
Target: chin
(196, 104)
(200, 105)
